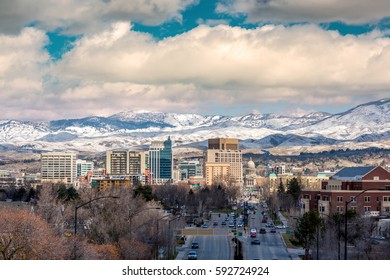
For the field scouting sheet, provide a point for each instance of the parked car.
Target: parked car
(280, 226)
(192, 255)
(195, 245)
(262, 231)
(223, 223)
(273, 230)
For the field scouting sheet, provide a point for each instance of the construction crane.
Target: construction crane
(267, 154)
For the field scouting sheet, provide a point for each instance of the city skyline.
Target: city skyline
(226, 57)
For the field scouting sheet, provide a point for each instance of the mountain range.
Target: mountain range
(369, 122)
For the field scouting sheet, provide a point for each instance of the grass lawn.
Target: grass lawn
(286, 238)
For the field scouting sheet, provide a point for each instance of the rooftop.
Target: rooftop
(355, 173)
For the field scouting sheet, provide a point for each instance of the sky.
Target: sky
(72, 59)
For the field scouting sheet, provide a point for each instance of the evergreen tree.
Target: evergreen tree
(306, 230)
(281, 189)
(294, 189)
(144, 191)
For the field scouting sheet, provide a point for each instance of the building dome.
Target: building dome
(251, 164)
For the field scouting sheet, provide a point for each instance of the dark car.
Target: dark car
(255, 242)
(262, 231)
(195, 245)
(223, 223)
(273, 230)
(215, 223)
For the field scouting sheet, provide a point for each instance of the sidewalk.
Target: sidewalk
(293, 252)
(182, 251)
(282, 219)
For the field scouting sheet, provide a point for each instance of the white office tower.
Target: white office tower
(59, 167)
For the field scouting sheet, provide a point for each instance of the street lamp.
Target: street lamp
(346, 217)
(158, 235)
(169, 232)
(339, 234)
(75, 215)
(136, 213)
(88, 202)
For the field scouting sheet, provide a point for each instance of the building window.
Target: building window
(353, 208)
(352, 199)
(376, 178)
(387, 209)
(340, 209)
(367, 198)
(322, 208)
(339, 199)
(387, 188)
(367, 208)
(386, 198)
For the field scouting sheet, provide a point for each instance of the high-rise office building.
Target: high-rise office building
(223, 144)
(217, 172)
(117, 162)
(161, 161)
(126, 163)
(225, 150)
(58, 167)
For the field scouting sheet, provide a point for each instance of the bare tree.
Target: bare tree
(24, 236)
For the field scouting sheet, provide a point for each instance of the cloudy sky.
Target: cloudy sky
(70, 58)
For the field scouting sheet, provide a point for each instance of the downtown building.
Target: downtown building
(125, 163)
(223, 162)
(161, 162)
(59, 167)
(188, 169)
(357, 186)
(83, 167)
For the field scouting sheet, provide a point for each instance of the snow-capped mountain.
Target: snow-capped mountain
(365, 123)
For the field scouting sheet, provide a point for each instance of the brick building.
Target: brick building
(353, 184)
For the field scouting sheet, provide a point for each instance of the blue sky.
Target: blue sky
(228, 57)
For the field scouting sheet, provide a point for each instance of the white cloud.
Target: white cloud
(299, 57)
(204, 70)
(23, 65)
(350, 11)
(86, 16)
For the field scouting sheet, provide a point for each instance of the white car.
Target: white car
(280, 226)
(192, 255)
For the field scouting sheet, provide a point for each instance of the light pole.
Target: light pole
(75, 216)
(88, 202)
(131, 216)
(339, 235)
(346, 217)
(169, 232)
(158, 235)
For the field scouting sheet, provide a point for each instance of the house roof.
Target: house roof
(352, 173)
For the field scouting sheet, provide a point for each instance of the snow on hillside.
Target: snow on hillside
(366, 122)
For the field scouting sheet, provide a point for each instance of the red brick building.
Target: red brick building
(349, 184)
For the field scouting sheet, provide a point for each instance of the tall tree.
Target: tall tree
(306, 230)
(294, 190)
